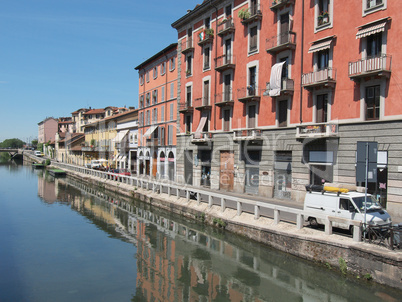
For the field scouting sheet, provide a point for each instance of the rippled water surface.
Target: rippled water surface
(61, 240)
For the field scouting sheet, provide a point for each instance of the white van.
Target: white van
(38, 153)
(97, 164)
(340, 203)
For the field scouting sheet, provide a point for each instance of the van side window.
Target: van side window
(344, 204)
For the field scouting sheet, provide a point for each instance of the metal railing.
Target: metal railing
(368, 65)
(317, 76)
(281, 39)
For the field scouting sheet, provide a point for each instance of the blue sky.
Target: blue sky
(57, 56)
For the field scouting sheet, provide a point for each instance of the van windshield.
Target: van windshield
(371, 203)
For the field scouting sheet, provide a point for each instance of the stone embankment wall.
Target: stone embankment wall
(362, 259)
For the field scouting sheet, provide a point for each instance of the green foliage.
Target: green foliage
(244, 14)
(328, 265)
(39, 147)
(219, 222)
(368, 277)
(12, 143)
(34, 142)
(343, 266)
(47, 163)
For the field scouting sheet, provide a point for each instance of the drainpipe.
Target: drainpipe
(301, 65)
(216, 55)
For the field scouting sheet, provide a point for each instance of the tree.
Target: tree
(34, 142)
(12, 143)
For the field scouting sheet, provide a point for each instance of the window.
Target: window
(172, 64)
(207, 22)
(282, 113)
(155, 116)
(323, 13)
(155, 97)
(374, 44)
(372, 101)
(251, 116)
(253, 39)
(371, 6)
(323, 59)
(228, 11)
(141, 121)
(189, 61)
(141, 101)
(148, 119)
(188, 96)
(206, 57)
(148, 99)
(171, 112)
(162, 113)
(252, 81)
(188, 124)
(171, 90)
(170, 134)
(163, 68)
(142, 80)
(322, 108)
(147, 75)
(226, 119)
(155, 72)
(206, 94)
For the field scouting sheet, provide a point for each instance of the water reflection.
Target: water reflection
(179, 260)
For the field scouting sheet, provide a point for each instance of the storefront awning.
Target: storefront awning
(120, 136)
(150, 130)
(371, 28)
(320, 45)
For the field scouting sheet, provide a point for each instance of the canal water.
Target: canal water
(62, 240)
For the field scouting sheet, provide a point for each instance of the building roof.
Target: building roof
(163, 51)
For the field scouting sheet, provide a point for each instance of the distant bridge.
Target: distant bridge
(13, 152)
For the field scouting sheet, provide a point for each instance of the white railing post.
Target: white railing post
(328, 226)
(209, 201)
(357, 233)
(239, 208)
(256, 212)
(223, 204)
(276, 216)
(299, 221)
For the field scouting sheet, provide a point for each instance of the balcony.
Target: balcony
(247, 135)
(185, 107)
(206, 36)
(317, 130)
(251, 14)
(225, 62)
(226, 27)
(370, 67)
(287, 87)
(202, 104)
(284, 41)
(152, 142)
(202, 138)
(278, 4)
(87, 148)
(187, 45)
(248, 94)
(324, 77)
(224, 99)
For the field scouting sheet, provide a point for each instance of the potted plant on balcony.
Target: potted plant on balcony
(188, 72)
(244, 14)
(325, 17)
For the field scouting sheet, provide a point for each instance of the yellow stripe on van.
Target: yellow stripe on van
(335, 189)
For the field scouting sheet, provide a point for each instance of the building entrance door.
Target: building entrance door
(226, 178)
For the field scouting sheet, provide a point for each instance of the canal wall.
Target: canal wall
(360, 259)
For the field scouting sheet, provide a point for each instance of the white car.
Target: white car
(38, 153)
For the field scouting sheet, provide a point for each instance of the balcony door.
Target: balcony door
(322, 108)
(252, 110)
(284, 29)
(228, 51)
(227, 87)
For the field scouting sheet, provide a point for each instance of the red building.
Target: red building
(275, 95)
(157, 114)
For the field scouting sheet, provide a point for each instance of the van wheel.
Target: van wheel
(313, 221)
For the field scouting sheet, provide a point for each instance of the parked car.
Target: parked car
(115, 173)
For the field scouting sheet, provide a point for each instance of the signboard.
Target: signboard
(367, 154)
